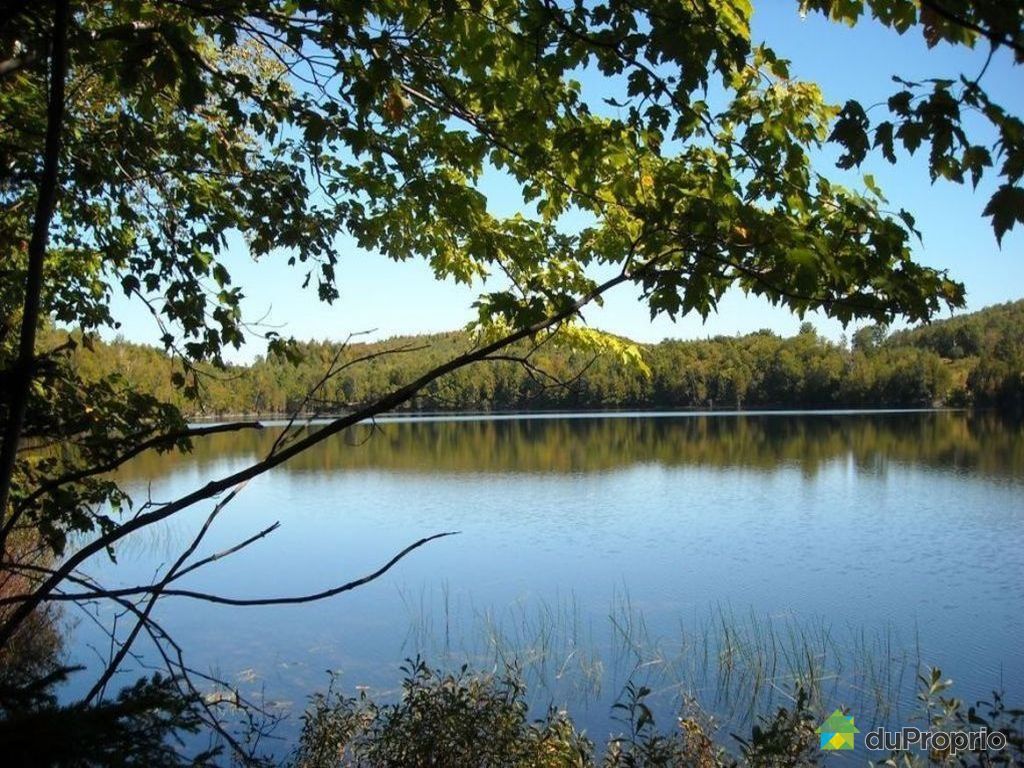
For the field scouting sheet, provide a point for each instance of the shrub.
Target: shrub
(472, 720)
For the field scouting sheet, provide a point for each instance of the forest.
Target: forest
(974, 359)
(543, 155)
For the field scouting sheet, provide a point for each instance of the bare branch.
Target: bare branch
(100, 686)
(316, 596)
(158, 441)
(229, 551)
(333, 370)
(545, 379)
(175, 573)
(172, 655)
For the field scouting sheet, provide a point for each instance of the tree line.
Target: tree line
(973, 359)
(148, 146)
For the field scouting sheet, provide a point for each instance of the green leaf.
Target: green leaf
(850, 130)
(871, 184)
(1006, 209)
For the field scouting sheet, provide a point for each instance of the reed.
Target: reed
(739, 665)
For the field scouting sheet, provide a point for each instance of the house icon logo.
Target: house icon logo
(837, 732)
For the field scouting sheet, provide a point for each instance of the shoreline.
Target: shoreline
(278, 418)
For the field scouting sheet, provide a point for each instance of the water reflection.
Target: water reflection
(981, 443)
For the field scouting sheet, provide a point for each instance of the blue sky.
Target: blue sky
(391, 299)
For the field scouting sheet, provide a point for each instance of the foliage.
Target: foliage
(225, 124)
(442, 720)
(146, 144)
(931, 111)
(142, 726)
(786, 738)
(477, 719)
(77, 422)
(974, 358)
(990, 345)
(942, 712)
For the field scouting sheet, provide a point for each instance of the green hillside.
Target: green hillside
(974, 359)
(985, 351)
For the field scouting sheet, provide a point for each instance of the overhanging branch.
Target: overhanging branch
(384, 404)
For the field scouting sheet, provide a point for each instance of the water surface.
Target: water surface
(596, 548)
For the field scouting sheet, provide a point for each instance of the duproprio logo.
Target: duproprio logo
(837, 732)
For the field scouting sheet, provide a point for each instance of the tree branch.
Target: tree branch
(45, 207)
(991, 35)
(15, 63)
(315, 596)
(100, 685)
(333, 370)
(112, 464)
(172, 656)
(384, 404)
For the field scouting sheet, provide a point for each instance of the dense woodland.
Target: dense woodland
(973, 359)
(149, 147)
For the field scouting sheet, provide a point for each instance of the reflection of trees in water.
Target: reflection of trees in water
(36, 650)
(982, 442)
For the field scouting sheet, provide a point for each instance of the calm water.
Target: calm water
(704, 554)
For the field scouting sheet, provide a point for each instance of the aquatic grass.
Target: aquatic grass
(549, 641)
(740, 664)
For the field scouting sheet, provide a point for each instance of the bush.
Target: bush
(442, 720)
(463, 719)
(471, 720)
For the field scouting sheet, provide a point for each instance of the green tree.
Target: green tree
(141, 139)
(868, 339)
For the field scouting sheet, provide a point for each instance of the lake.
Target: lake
(723, 556)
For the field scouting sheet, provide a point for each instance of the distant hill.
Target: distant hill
(985, 349)
(972, 359)
(986, 333)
